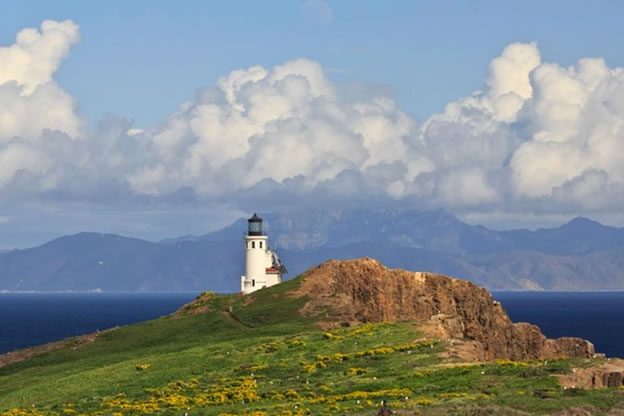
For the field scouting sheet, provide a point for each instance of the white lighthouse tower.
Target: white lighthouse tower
(262, 266)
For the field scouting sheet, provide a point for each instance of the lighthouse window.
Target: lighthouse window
(253, 282)
(260, 244)
(253, 244)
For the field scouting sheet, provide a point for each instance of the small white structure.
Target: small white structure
(262, 266)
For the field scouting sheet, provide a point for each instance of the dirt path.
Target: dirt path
(232, 319)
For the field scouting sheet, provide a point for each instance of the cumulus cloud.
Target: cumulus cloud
(31, 103)
(540, 136)
(537, 137)
(277, 124)
(37, 54)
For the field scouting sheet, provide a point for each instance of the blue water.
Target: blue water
(28, 319)
(596, 316)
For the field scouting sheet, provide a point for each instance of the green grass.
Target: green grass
(241, 357)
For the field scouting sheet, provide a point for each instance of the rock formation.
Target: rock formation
(363, 290)
(609, 374)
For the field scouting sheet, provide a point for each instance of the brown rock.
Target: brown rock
(607, 373)
(612, 379)
(363, 290)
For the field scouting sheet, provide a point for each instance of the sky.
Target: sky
(155, 119)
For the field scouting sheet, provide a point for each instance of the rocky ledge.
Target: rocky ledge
(363, 290)
(608, 374)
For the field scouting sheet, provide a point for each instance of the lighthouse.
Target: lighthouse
(262, 266)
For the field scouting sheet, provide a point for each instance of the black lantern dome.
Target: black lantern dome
(255, 225)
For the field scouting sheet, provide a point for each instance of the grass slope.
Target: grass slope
(257, 356)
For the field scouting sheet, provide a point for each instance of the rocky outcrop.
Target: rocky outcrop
(609, 374)
(363, 290)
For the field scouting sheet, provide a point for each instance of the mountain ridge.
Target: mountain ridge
(581, 254)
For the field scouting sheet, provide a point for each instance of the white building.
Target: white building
(262, 266)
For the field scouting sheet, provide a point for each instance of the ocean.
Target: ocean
(28, 319)
(595, 316)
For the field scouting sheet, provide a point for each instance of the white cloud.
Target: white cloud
(36, 54)
(541, 135)
(317, 11)
(271, 124)
(31, 103)
(571, 127)
(134, 132)
(537, 138)
(28, 115)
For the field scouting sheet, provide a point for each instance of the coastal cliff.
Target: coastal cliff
(363, 290)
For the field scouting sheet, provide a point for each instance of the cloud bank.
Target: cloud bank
(537, 138)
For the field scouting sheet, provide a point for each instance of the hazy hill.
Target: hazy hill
(433, 230)
(582, 254)
(316, 228)
(89, 261)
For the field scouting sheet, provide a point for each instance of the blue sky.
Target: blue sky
(159, 118)
(140, 59)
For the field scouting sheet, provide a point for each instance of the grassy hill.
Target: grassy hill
(256, 355)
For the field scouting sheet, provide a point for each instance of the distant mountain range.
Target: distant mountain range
(580, 255)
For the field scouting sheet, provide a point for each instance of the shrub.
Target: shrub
(354, 371)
